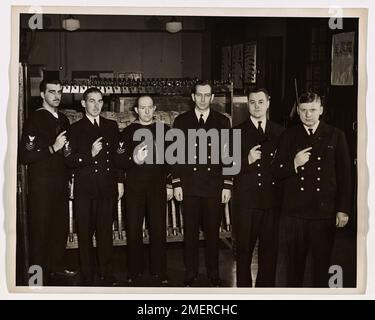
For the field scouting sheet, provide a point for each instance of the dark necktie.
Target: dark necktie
(260, 129)
(311, 132)
(201, 122)
(96, 124)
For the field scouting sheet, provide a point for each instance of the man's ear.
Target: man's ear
(193, 96)
(83, 104)
(212, 97)
(42, 95)
(321, 110)
(136, 110)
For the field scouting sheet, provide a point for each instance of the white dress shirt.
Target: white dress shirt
(256, 121)
(205, 114)
(91, 118)
(313, 128)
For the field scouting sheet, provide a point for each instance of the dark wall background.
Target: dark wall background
(119, 44)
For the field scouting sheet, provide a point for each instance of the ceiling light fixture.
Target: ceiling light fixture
(71, 23)
(173, 26)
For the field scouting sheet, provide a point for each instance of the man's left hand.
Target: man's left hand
(225, 195)
(120, 188)
(169, 194)
(341, 219)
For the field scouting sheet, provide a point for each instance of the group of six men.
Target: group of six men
(303, 172)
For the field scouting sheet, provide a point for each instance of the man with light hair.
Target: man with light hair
(313, 162)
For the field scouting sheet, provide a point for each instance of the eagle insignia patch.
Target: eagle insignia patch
(121, 149)
(30, 145)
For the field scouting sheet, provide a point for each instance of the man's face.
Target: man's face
(52, 95)
(202, 97)
(309, 113)
(258, 105)
(145, 110)
(93, 104)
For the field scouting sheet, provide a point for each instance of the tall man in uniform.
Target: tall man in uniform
(313, 161)
(202, 187)
(42, 142)
(93, 141)
(147, 190)
(256, 198)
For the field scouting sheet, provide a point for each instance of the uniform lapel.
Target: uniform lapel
(210, 120)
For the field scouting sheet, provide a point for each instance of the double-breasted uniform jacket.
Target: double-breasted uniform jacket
(255, 186)
(321, 187)
(48, 195)
(202, 180)
(94, 177)
(39, 133)
(156, 173)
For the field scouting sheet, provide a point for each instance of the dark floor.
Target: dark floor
(344, 254)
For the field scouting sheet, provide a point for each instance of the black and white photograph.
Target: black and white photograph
(187, 150)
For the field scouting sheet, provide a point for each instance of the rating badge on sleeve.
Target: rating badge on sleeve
(30, 144)
(67, 150)
(121, 149)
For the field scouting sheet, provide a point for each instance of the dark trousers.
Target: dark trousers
(151, 199)
(95, 216)
(48, 223)
(209, 211)
(253, 224)
(303, 235)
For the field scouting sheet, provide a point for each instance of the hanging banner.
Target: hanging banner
(342, 59)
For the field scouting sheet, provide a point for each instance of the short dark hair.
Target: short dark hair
(140, 97)
(91, 90)
(308, 97)
(44, 82)
(201, 83)
(257, 90)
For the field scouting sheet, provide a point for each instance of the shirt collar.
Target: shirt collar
(313, 128)
(255, 122)
(52, 111)
(205, 113)
(92, 119)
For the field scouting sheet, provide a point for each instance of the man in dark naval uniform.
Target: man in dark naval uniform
(42, 142)
(93, 141)
(256, 195)
(202, 186)
(313, 161)
(146, 189)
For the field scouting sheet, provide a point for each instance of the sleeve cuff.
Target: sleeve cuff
(176, 182)
(228, 184)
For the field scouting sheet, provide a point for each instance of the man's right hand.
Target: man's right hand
(60, 141)
(302, 157)
(178, 193)
(96, 147)
(254, 154)
(141, 155)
